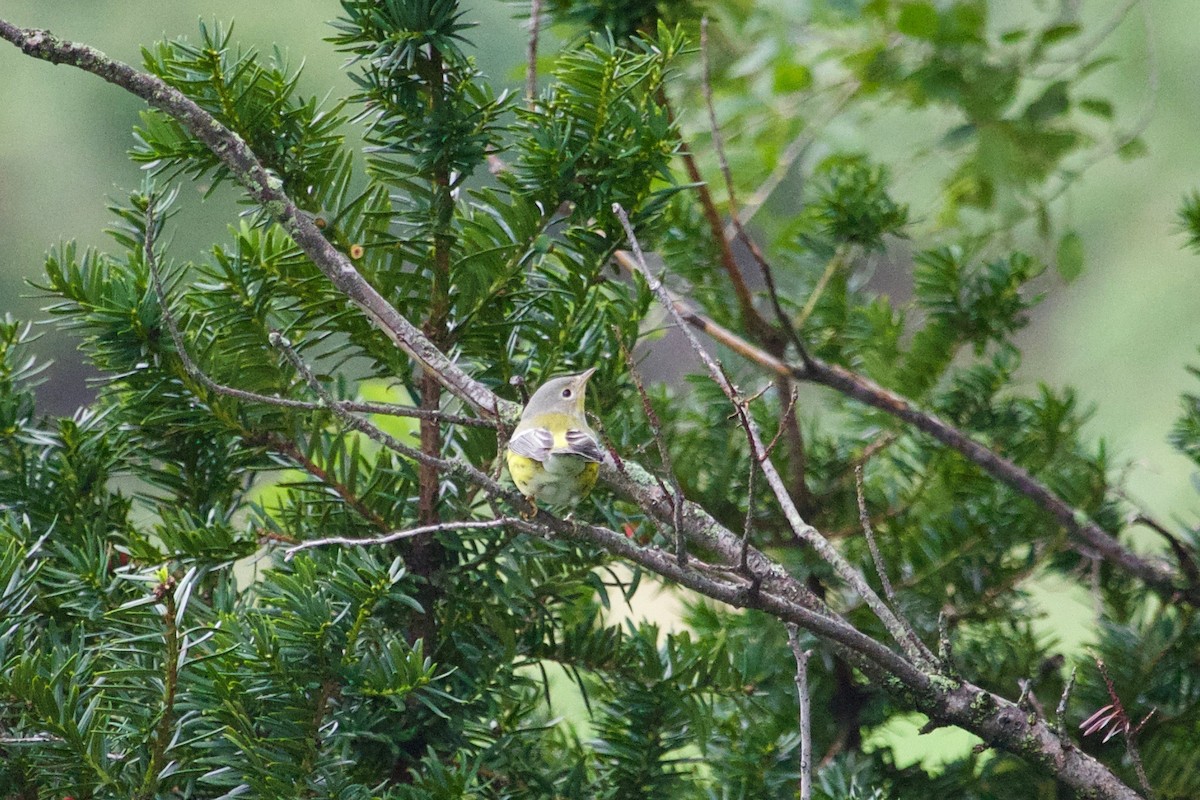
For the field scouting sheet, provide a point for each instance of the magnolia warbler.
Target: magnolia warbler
(554, 455)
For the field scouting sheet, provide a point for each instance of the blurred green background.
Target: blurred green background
(1122, 333)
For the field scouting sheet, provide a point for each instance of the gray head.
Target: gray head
(563, 395)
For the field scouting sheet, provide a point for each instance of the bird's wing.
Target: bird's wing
(535, 443)
(582, 444)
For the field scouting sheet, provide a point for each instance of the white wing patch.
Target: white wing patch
(583, 445)
(535, 443)
(538, 444)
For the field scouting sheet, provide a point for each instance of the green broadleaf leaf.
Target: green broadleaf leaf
(919, 20)
(1097, 106)
(1069, 259)
(1053, 102)
(1058, 33)
(1134, 148)
(792, 77)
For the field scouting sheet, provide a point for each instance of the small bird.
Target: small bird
(554, 455)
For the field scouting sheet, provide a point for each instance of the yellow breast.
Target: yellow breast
(563, 481)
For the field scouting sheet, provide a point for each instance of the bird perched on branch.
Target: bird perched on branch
(554, 456)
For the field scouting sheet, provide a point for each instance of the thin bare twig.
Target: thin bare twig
(1183, 553)
(802, 700)
(1060, 713)
(877, 444)
(841, 257)
(663, 453)
(193, 370)
(396, 536)
(1028, 698)
(773, 341)
(743, 566)
(751, 318)
(1153, 571)
(531, 52)
(1026, 687)
(341, 409)
(864, 519)
(39, 738)
(791, 405)
(755, 461)
(191, 367)
(800, 528)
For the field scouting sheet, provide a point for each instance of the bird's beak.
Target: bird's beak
(580, 384)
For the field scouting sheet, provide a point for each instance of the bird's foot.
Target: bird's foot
(530, 512)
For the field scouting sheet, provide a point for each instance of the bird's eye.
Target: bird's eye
(566, 392)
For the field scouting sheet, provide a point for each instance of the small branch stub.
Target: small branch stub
(801, 655)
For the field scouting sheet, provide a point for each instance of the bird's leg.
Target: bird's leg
(532, 511)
